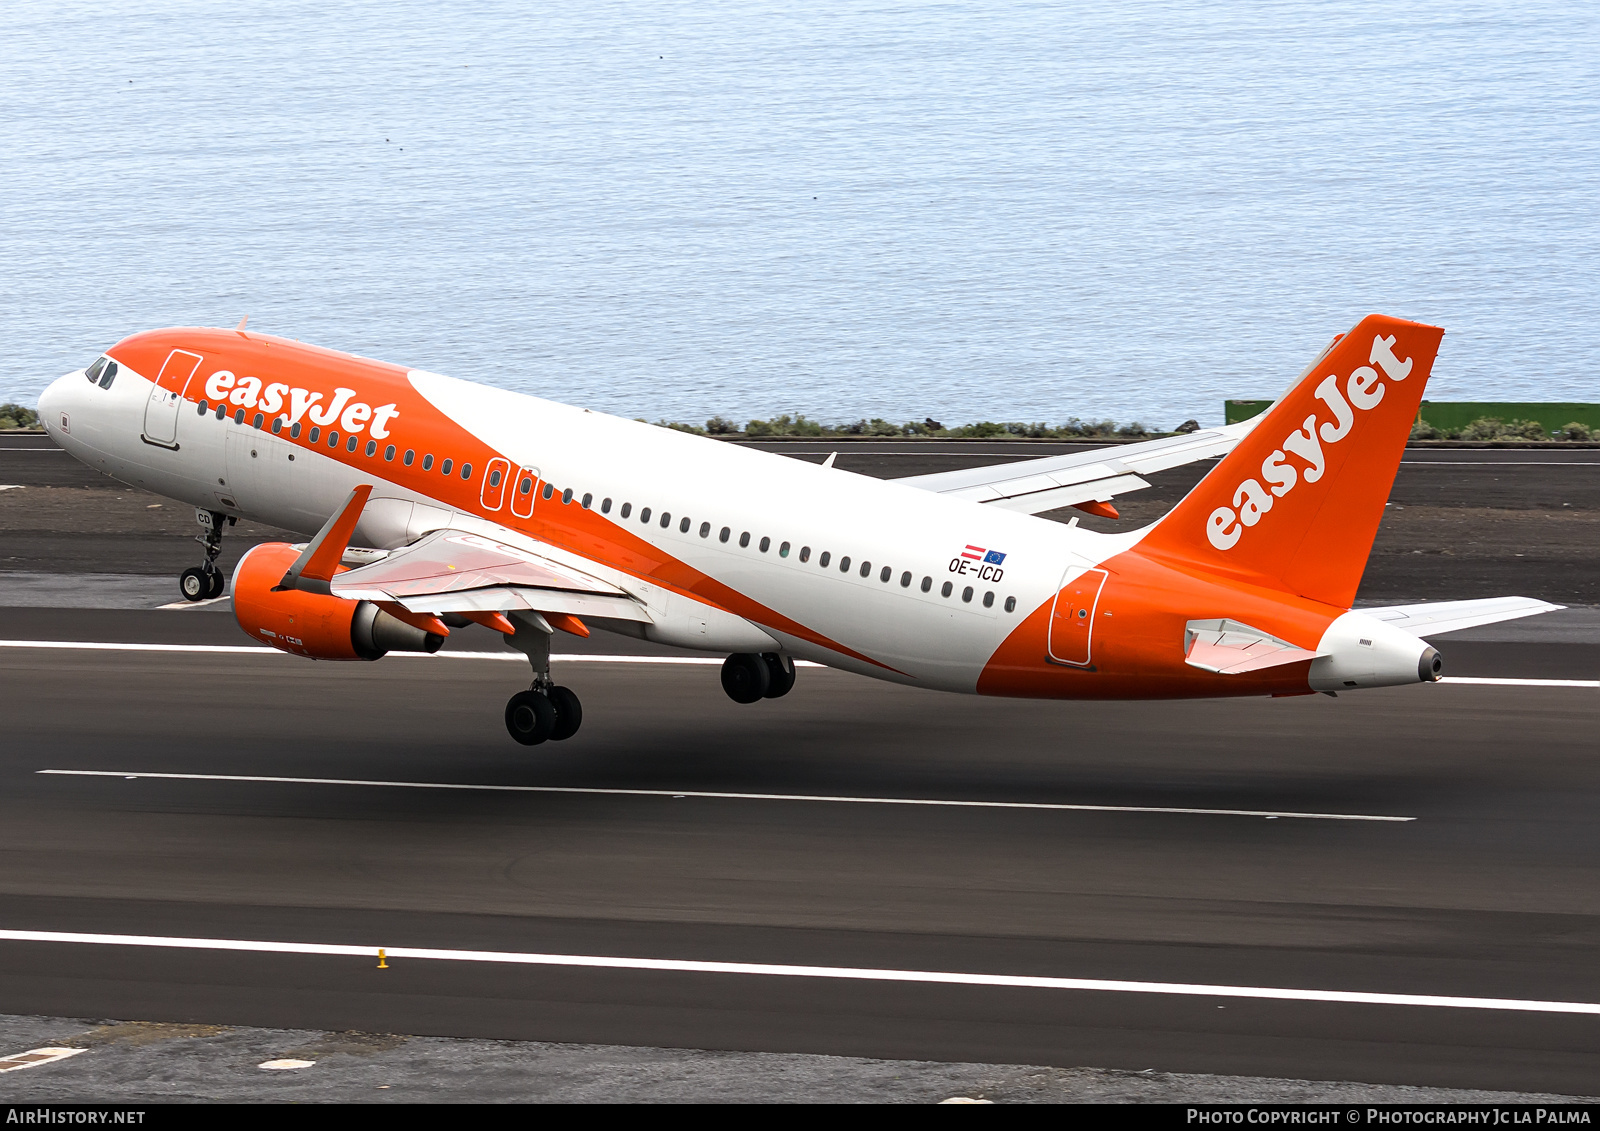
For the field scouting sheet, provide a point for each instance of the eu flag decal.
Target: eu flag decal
(994, 557)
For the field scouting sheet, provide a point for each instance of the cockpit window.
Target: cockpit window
(108, 376)
(93, 372)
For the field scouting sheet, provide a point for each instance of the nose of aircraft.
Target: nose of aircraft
(50, 402)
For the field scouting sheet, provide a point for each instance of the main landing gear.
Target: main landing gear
(203, 582)
(544, 712)
(747, 676)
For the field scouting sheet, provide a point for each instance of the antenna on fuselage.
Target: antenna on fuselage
(242, 321)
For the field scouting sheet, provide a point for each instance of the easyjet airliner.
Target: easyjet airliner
(436, 503)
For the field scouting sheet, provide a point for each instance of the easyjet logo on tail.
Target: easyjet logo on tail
(1363, 391)
(352, 415)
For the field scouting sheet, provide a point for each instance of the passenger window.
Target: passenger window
(927, 584)
(988, 599)
(723, 537)
(238, 417)
(766, 544)
(427, 462)
(783, 550)
(944, 590)
(566, 496)
(549, 489)
(108, 376)
(805, 553)
(350, 444)
(627, 508)
(388, 453)
(222, 411)
(466, 471)
(294, 433)
(644, 515)
(744, 539)
(277, 425)
(587, 500)
(666, 519)
(822, 562)
(204, 407)
(406, 459)
(333, 440)
(886, 574)
(444, 468)
(966, 594)
(905, 580)
(372, 448)
(494, 476)
(258, 421)
(844, 564)
(605, 505)
(1011, 604)
(866, 568)
(705, 530)
(683, 526)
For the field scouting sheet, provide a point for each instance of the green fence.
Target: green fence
(1452, 416)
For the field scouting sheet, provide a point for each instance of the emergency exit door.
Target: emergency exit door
(1073, 615)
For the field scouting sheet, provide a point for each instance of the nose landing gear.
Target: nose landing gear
(203, 582)
(544, 712)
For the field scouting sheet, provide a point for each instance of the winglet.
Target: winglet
(319, 561)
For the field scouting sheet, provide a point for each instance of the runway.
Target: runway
(679, 829)
(1304, 888)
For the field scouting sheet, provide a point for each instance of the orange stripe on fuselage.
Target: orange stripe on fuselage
(418, 425)
(1138, 638)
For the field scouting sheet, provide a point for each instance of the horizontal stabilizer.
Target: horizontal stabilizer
(1036, 485)
(1230, 648)
(1435, 618)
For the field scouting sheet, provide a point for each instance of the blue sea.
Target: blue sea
(1026, 211)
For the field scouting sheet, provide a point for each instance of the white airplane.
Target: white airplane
(469, 504)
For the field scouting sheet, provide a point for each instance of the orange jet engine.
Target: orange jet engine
(315, 624)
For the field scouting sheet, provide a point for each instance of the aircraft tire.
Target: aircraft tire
(218, 582)
(569, 713)
(780, 669)
(194, 584)
(529, 717)
(745, 677)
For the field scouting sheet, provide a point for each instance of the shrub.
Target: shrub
(1133, 430)
(16, 416)
(679, 426)
(720, 426)
(1422, 430)
(879, 427)
(1484, 428)
(1526, 430)
(1576, 431)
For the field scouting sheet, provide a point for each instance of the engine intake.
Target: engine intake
(317, 625)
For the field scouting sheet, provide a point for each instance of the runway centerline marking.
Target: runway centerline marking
(253, 650)
(786, 970)
(721, 795)
(594, 658)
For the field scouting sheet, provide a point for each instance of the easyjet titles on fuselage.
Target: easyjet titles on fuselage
(351, 414)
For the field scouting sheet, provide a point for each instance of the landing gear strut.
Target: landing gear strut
(748, 676)
(203, 582)
(544, 711)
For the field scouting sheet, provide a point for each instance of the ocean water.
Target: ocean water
(1023, 211)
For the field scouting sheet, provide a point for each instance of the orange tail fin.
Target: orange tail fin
(1297, 504)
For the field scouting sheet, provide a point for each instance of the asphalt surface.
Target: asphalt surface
(1490, 891)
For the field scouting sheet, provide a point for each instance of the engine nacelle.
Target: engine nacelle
(313, 624)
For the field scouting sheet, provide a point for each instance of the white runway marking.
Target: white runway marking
(1272, 814)
(196, 604)
(782, 970)
(1495, 681)
(11, 487)
(252, 650)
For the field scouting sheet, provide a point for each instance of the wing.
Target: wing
(1035, 485)
(1437, 617)
(453, 571)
